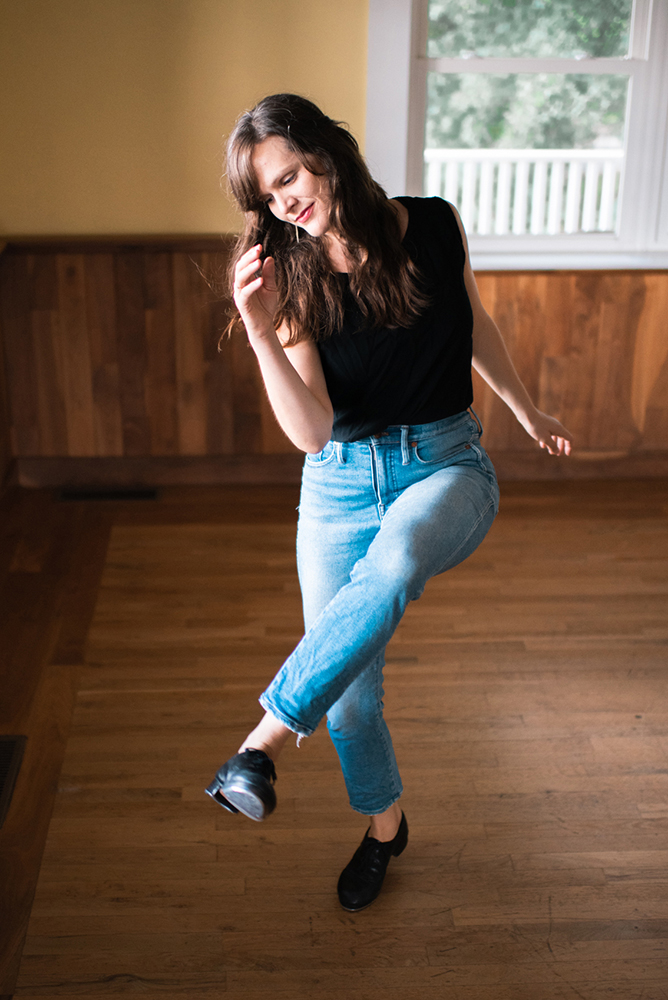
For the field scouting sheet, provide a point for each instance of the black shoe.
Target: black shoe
(362, 878)
(244, 785)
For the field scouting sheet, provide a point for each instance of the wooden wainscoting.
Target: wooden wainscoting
(592, 349)
(6, 456)
(113, 364)
(114, 373)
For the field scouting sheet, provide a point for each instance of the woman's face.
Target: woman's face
(292, 192)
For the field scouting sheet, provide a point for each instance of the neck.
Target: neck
(336, 252)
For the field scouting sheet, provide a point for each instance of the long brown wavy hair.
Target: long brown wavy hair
(383, 278)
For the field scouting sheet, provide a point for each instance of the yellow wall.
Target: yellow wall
(113, 112)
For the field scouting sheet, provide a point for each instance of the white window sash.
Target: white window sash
(516, 64)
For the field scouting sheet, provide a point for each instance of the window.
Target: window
(544, 121)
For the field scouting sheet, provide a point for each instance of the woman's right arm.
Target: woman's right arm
(293, 376)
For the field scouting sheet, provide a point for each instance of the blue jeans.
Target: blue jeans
(377, 518)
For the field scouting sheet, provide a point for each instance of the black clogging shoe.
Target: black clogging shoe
(244, 784)
(362, 879)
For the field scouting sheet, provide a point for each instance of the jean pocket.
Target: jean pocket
(435, 450)
(323, 457)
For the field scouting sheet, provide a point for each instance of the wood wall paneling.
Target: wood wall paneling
(129, 279)
(246, 397)
(17, 308)
(101, 321)
(73, 356)
(219, 382)
(112, 352)
(190, 310)
(649, 378)
(591, 348)
(6, 452)
(160, 401)
(6, 457)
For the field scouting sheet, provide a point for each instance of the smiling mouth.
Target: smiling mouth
(305, 215)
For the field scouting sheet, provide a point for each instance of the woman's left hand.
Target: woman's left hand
(549, 433)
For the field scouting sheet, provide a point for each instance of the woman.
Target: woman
(365, 318)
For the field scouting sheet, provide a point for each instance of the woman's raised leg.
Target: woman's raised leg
(432, 526)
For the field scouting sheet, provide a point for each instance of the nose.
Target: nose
(285, 202)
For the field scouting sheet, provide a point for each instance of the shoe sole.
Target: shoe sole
(358, 909)
(247, 803)
(250, 795)
(214, 791)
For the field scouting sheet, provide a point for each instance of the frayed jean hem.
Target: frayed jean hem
(295, 727)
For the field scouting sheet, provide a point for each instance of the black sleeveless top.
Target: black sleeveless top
(407, 376)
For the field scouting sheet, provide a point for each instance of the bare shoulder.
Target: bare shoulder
(402, 215)
(304, 357)
(302, 349)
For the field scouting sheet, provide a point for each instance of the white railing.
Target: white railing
(536, 191)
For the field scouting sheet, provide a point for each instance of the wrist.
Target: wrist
(261, 338)
(525, 411)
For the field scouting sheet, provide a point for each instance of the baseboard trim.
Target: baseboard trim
(286, 468)
(537, 465)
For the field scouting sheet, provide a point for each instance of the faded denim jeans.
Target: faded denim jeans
(377, 518)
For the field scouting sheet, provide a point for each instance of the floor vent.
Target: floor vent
(11, 755)
(129, 494)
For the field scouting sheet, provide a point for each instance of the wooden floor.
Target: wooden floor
(527, 692)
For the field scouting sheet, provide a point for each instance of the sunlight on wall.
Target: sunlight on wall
(113, 112)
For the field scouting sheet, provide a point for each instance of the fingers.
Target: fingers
(248, 270)
(248, 259)
(563, 442)
(250, 266)
(250, 255)
(269, 272)
(551, 435)
(251, 276)
(556, 445)
(254, 292)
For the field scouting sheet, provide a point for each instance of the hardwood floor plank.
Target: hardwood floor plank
(88, 542)
(46, 722)
(530, 733)
(53, 559)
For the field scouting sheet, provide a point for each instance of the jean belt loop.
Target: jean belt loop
(475, 417)
(339, 452)
(405, 453)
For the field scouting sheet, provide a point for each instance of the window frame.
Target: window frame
(396, 106)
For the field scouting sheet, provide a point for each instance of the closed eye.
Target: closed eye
(286, 180)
